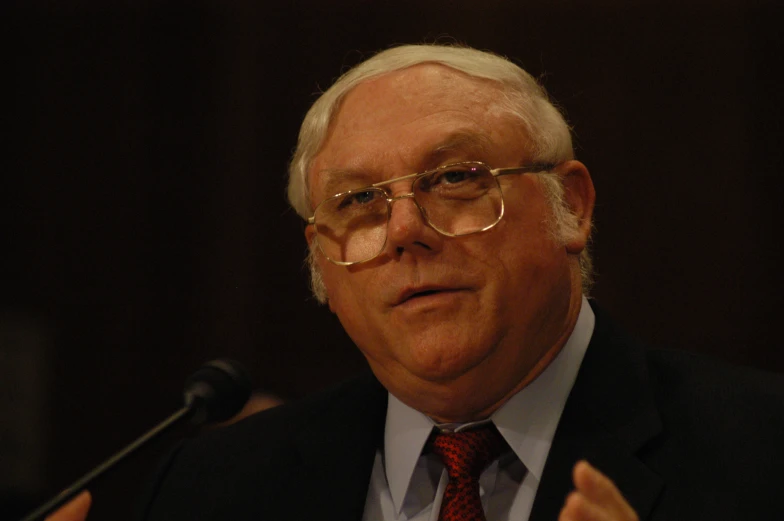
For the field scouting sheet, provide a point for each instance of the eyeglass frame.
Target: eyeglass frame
(533, 168)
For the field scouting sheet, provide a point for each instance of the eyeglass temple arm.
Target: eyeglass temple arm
(526, 169)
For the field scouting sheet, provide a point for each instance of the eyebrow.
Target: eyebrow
(459, 141)
(338, 179)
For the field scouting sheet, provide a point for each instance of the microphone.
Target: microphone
(214, 393)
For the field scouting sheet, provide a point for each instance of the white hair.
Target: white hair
(549, 135)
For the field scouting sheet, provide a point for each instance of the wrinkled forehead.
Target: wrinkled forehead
(425, 112)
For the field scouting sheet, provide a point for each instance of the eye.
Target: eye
(452, 177)
(359, 199)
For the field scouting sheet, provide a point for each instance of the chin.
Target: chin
(445, 351)
(444, 366)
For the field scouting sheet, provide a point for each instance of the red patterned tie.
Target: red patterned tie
(465, 455)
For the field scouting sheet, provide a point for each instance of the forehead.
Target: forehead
(411, 120)
(419, 89)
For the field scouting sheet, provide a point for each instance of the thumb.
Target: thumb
(74, 510)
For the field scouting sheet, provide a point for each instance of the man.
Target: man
(448, 225)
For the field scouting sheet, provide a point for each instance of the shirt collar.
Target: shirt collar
(527, 421)
(405, 435)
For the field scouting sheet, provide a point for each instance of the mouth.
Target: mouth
(413, 294)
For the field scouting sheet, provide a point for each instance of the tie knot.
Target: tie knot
(466, 454)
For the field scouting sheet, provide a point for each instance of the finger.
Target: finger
(599, 489)
(579, 508)
(74, 510)
(595, 485)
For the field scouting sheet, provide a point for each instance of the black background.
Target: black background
(145, 228)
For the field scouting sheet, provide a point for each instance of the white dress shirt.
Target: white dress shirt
(407, 485)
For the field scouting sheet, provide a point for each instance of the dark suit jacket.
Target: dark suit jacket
(683, 437)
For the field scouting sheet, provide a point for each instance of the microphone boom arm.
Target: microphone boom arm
(88, 478)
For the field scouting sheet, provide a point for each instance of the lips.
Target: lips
(412, 293)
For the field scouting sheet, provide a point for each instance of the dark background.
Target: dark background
(145, 228)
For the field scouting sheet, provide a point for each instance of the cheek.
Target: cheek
(345, 292)
(352, 305)
(529, 261)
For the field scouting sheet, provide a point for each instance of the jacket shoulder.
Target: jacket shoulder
(682, 376)
(730, 401)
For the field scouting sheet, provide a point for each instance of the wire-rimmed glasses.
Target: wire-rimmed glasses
(455, 200)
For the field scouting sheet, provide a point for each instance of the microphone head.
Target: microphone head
(217, 391)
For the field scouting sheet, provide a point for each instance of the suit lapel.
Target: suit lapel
(609, 416)
(337, 450)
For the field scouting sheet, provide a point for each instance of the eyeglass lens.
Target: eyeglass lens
(455, 200)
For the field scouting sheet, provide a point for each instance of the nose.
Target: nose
(407, 229)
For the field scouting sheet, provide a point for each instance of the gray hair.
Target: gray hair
(548, 132)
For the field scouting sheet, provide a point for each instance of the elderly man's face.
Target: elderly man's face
(451, 326)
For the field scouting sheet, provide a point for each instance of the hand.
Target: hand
(596, 498)
(74, 510)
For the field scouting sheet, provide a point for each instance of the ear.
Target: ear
(310, 236)
(580, 195)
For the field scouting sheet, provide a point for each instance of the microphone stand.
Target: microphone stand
(216, 392)
(85, 480)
